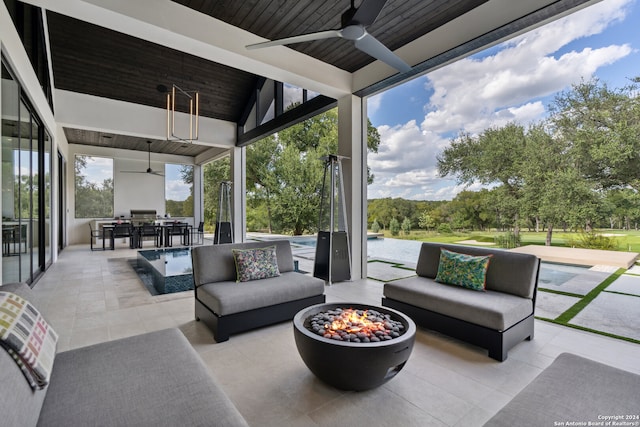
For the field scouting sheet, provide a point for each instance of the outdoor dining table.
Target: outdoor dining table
(165, 235)
(168, 230)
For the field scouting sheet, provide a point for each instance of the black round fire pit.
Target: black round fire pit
(353, 365)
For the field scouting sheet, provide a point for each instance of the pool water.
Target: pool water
(170, 269)
(552, 273)
(401, 250)
(407, 251)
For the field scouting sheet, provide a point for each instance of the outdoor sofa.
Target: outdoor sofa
(576, 391)
(227, 306)
(496, 319)
(155, 379)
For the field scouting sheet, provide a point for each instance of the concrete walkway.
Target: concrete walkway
(579, 256)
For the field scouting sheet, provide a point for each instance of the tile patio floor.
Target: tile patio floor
(91, 297)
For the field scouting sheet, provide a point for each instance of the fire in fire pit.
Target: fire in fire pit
(355, 325)
(353, 346)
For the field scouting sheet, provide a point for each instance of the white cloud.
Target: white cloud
(176, 190)
(470, 93)
(479, 92)
(374, 102)
(98, 169)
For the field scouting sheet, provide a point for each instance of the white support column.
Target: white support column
(238, 199)
(198, 194)
(352, 143)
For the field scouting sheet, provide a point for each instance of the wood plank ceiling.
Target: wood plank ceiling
(94, 60)
(97, 61)
(125, 142)
(400, 22)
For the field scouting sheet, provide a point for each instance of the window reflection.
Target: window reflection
(178, 190)
(25, 186)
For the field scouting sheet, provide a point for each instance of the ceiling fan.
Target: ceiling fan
(149, 170)
(354, 23)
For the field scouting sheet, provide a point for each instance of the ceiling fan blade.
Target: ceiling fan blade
(371, 46)
(149, 170)
(297, 39)
(368, 12)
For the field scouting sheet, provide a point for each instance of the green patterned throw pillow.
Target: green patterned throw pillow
(253, 264)
(463, 270)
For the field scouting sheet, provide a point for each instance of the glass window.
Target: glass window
(47, 197)
(178, 190)
(293, 96)
(94, 187)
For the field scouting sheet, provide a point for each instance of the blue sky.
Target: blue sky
(513, 81)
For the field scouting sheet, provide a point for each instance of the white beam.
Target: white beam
(473, 24)
(238, 191)
(352, 134)
(90, 112)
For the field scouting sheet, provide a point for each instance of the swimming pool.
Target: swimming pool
(170, 269)
(402, 250)
(552, 273)
(407, 251)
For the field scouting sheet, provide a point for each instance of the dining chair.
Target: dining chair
(197, 234)
(96, 234)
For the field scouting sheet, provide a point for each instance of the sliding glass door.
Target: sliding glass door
(26, 186)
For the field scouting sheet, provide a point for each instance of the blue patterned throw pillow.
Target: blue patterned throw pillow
(258, 263)
(463, 270)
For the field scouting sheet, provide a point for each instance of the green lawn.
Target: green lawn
(628, 240)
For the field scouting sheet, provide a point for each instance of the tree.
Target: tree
(213, 174)
(426, 221)
(556, 190)
(284, 172)
(406, 226)
(261, 182)
(375, 227)
(494, 157)
(471, 210)
(384, 210)
(394, 227)
(624, 208)
(91, 200)
(296, 207)
(602, 126)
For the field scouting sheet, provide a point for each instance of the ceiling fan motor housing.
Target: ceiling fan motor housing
(348, 16)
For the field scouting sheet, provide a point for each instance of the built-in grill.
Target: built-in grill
(143, 215)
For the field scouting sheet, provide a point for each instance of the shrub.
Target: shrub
(375, 227)
(592, 240)
(444, 228)
(406, 226)
(394, 227)
(507, 240)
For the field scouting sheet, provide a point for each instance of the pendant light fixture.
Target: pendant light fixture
(180, 97)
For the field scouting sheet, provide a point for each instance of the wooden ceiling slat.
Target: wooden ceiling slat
(98, 61)
(125, 142)
(400, 22)
(91, 59)
(257, 14)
